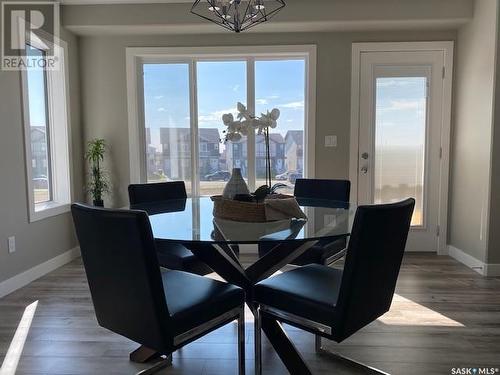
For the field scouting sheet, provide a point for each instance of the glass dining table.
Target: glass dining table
(217, 242)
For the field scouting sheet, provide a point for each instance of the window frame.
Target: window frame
(137, 56)
(58, 137)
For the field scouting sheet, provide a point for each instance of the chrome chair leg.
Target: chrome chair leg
(241, 342)
(328, 262)
(165, 362)
(317, 343)
(258, 342)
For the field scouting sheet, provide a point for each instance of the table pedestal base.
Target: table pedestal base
(224, 262)
(351, 362)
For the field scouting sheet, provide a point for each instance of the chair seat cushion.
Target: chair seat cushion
(317, 254)
(310, 292)
(176, 257)
(193, 300)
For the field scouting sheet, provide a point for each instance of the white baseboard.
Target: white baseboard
(485, 269)
(10, 285)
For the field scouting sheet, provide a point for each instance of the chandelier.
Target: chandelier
(237, 15)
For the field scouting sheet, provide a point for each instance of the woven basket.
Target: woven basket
(250, 212)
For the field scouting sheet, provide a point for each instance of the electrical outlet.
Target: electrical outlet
(12, 244)
(331, 141)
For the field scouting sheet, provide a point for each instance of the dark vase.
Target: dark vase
(98, 203)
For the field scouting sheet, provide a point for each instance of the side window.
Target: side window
(46, 135)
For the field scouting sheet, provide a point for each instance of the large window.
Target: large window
(220, 85)
(46, 137)
(281, 84)
(184, 96)
(167, 121)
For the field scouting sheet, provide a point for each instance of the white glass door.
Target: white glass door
(400, 136)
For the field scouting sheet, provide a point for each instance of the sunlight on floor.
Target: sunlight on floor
(405, 312)
(9, 365)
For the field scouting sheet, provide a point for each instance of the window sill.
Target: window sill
(48, 209)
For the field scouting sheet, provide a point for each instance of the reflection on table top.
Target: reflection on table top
(192, 220)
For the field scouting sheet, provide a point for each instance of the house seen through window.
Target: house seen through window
(220, 85)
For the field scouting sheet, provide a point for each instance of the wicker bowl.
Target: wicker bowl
(250, 212)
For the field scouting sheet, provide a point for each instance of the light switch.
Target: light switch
(12, 244)
(331, 141)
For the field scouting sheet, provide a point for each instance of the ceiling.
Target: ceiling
(85, 2)
(173, 17)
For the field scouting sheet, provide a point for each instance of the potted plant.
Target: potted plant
(98, 184)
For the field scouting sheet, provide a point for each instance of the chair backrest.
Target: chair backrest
(156, 192)
(124, 277)
(374, 256)
(337, 190)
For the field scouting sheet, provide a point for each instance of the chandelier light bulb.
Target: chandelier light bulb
(213, 7)
(259, 5)
(225, 14)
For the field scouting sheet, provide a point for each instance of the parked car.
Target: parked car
(218, 176)
(40, 183)
(283, 176)
(292, 177)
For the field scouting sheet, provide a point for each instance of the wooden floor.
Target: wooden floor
(443, 316)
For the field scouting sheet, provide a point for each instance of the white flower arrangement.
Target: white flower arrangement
(247, 123)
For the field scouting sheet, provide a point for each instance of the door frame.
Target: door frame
(443, 46)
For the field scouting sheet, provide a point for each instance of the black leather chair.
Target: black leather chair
(334, 190)
(162, 310)
(156, 192)
(337, 303)
(172, 256)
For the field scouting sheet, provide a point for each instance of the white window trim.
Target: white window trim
(136, 56)
(60, 135)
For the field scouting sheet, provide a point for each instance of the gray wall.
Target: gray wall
(471, 154)
(42, 240)
(104, 101)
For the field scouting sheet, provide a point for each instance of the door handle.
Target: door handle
(364, 170)
(364, 155)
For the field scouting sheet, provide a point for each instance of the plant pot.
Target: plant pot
(98, 203)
